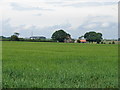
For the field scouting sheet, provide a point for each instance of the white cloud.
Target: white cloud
(57, 13)
(38, 14)
(81, 4)
(74, 15)
(105, 25)
(60, 0)
(24, 7)
(90, 26)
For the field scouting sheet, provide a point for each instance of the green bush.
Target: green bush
(113, 42)
(78, 41)
(21, 39)
(102, 42)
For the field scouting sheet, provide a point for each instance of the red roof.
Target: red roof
(82, 40)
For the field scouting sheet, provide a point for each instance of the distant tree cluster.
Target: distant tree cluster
(60, 35)
(93, 37)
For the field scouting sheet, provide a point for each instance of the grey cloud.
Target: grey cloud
(109, 32)
(8, 30)
(45, 31)
(39, 14)
(19, 7)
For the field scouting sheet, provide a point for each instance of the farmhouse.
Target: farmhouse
(37, 37)
(83, 41)
(68, 39)
(80, 41)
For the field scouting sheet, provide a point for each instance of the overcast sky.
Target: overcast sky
(43, 17)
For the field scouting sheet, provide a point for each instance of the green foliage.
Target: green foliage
(21, 39)
(5, 39)
(60, 35)
(80, 37)
(102, 42)
(118, 39)
(14, 38)
(93, 37)
(1, 37)
(59, 65)
(78, 41)
(113, 42)
(16, 34)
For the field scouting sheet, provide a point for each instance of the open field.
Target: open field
(59, 65)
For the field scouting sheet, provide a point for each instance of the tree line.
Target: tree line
(92, 36)
(61, 36)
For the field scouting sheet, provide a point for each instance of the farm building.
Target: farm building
(80, 41)
(37, 37)
(68, 39)
(83, 41)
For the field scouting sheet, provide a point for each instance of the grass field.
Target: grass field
(59, 65)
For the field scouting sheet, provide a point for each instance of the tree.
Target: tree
(98, 37)
(118, 39)
(16, 34)
(93, 37)
(14, 38)
(80, 37)
(60, 35)
(102, 42)
(2, 37)
(113, 42)
(78, 41)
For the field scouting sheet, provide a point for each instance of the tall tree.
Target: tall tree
(16, 34)
(93, 37)
(14, 37)
(60, 35)
(80, 37)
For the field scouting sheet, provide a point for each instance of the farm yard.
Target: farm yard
(59, 65)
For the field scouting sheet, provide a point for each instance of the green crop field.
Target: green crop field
(59, 65)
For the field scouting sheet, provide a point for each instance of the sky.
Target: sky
(44, 17)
